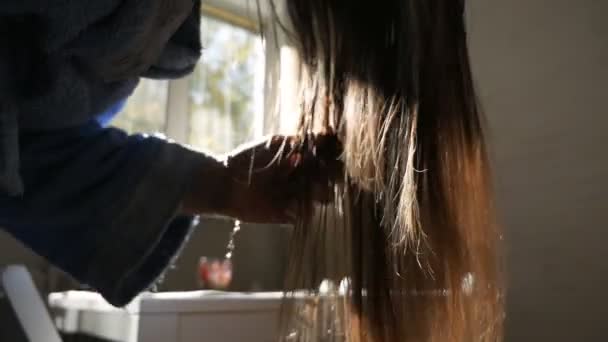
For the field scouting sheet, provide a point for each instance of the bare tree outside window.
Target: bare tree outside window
(146, 109)
(226, 88)
(225, 96)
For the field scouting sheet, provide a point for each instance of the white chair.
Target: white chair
(28, 305)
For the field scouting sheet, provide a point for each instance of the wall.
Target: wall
(542, 71)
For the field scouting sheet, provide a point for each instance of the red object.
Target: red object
(214, 273)
(203, 270)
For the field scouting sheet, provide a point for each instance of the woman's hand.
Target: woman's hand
(262, 182)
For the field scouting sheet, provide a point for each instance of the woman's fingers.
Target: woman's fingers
(276, 174)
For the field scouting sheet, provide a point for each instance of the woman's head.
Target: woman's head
(414, 218)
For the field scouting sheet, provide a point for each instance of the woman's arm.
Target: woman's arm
(113, 210)
(102, 206)
(261, 182)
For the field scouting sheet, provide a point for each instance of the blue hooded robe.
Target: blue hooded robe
(101, 205)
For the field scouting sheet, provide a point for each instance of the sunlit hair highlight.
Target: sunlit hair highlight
(412, 228)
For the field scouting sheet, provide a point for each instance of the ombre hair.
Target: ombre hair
(412, 227)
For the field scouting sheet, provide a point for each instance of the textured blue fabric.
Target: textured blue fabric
(97, 203)
(102, 205)
(53, 53)
(64, 62)
(106, 118)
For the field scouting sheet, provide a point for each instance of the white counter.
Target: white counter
(202, 316)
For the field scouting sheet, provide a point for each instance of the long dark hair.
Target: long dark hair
(412, 226)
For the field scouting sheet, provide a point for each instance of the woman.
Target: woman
(110, 209)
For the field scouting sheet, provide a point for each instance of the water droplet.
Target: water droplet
(231, 245)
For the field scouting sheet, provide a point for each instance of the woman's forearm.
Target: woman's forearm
(209, 189)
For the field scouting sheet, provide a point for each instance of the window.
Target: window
(146, 109)
(215, 109)
(226, 90)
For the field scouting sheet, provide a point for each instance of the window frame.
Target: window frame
(177, 111)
